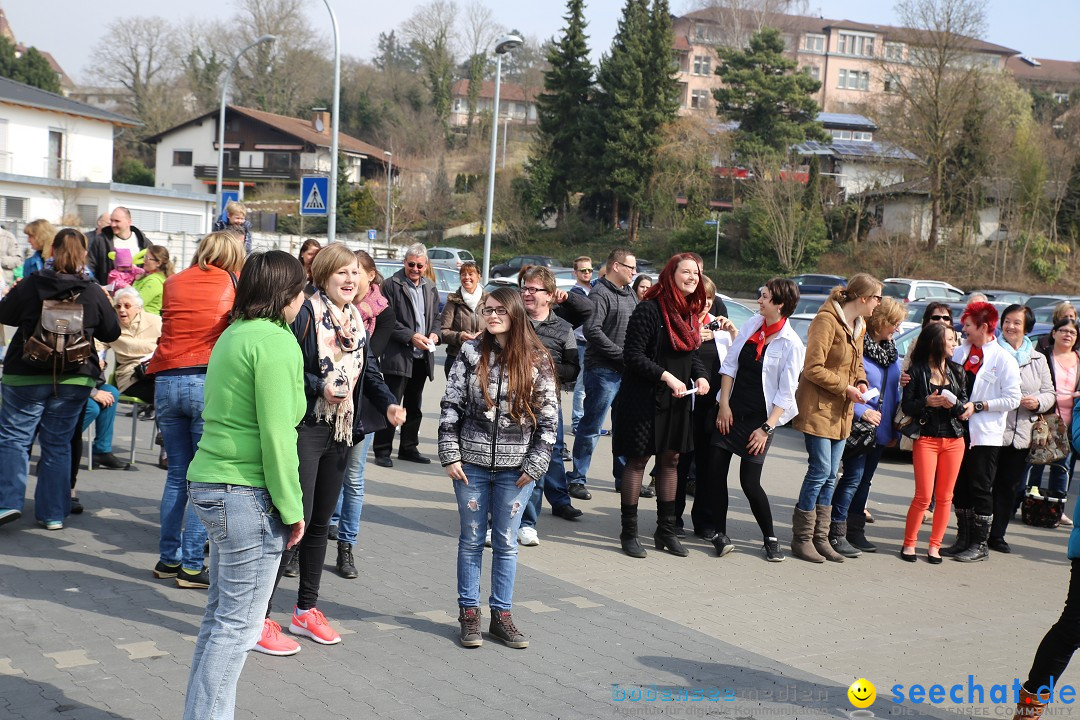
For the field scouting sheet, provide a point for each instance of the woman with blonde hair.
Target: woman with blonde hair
(194, 312)
(151, 286)
(39, 234)
(833, 380)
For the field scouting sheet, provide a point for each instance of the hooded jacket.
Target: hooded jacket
(834, 352)
(605, 330)
(97, 257)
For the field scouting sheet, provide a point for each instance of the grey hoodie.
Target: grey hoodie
(605, 330)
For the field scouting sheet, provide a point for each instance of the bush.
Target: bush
(131, 171)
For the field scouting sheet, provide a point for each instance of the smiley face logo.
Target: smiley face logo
(862, 693)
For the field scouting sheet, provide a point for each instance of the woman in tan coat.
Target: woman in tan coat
(139, 333)
(460, 319)
(832, 382)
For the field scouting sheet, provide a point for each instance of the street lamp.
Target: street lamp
(267, 39)
(389, 160)
(331, 208)
(502, 46)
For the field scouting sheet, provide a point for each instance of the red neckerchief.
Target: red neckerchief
(974, 360)
(758, 338)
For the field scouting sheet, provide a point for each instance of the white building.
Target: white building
(56, 163)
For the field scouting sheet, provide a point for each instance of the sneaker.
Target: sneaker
(188, 579)
(9, 515)
(567, 454)
(503, 629)
(51, 524)
(487, 538)
(527, 536)
(292, 569)
(1066, 521)
(722, 543)
(772, 550)
(605, 433)
(470, 636)
(312, 623)
(162, 571)
(273, 642)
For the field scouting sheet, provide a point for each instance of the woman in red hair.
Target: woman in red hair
(652, 410)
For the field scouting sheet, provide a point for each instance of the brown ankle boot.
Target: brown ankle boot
(821, 534)
(1030, 705)
(802, 532)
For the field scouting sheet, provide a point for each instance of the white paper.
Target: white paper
(870, 395)
(688, 391)
(430, 347)
(948, 395)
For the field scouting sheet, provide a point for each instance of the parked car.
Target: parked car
(800, 323)
(450, 257)
(1045, 314)
(809, 304)
(1037, 301)
(447, 279)
(737, 312)
(905, 290)
(511, 266)
(564, 278)
(1009, 297)
(818, 284)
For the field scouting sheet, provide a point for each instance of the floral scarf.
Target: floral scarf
(339, 341)
(370, 307)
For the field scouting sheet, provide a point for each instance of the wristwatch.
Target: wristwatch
(980, 406)
(767, 428)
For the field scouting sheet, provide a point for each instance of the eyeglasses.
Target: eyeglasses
(631, 268)
(584, 270)
(493, 311)
(876, 297)
(532, 290)
(418, 266)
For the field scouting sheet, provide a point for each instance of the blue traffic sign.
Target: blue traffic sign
(314, 194)
(372, 235)
(710, 222)
(227, 196)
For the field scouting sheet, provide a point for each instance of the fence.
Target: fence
(182, 245)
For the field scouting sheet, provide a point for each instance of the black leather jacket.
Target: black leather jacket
(935, 421)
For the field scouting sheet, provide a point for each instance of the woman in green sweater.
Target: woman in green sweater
(151, 286)
(244, 482)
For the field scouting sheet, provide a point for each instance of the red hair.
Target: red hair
(669, 295)
(981, 313)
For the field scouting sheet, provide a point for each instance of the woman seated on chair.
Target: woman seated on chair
(139, 333)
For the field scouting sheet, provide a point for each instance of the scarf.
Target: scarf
(682, 329)
(1021, 354)
(883, 353)
(370, 307)
(472, 299)
(339, 342)
(758, 338)
(974, 360)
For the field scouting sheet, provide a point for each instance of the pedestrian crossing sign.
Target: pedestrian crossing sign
(314, 194)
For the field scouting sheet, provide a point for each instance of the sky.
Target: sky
(1042, 28)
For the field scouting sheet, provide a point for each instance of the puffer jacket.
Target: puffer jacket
(834, 352)
(471, 432)
(558, 337)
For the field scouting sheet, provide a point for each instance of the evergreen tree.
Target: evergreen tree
(772, 101)
(31, 68)
(557, 162)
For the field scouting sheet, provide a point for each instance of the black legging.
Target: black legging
(322, 467)
(667, 468)
(750, 479)
(1061, 640)
(1008, 478)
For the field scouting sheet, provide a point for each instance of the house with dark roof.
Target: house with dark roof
(260, 148)
(1059, 78)
(516, 103)
(56, 163)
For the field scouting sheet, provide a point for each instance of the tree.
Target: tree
(31, 68)
(479, 32)
(1068, 217)
(772, 102)
(557, 161)
(393, 56)
(684, 171)
(430, 32)
(966, 168)
(131, 171)
(933, 83)
(736, 21)
(783, 232)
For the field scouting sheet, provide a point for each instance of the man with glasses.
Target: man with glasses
(409, 359)
(613, 302)
(583, 284)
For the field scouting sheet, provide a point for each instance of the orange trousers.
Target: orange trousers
(937, 463)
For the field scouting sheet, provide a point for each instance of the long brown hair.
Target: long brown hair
(521, 351)
(664, 288)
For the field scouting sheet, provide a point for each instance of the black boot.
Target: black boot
(838, 540)
(346, 567)
(963, 533)
(665, 536)
(856, 533)
(977, 550)
(630, 543)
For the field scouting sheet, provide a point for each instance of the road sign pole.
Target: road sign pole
(716, 251)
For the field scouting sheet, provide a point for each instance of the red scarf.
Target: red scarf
(683, 332)
(974, 360)
(758, 338)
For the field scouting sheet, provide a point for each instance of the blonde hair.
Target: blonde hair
(858, 285)
(1060, 310)
(710, 290)
(886, 314)
(222, 249)
(43, 231)
(234, 208)
(330, 259)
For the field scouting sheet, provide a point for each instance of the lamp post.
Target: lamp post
(389, 160)
(331, 208)
(221, 118)
(502, 46)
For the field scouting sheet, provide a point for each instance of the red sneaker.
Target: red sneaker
(273, 642)
(312, 623)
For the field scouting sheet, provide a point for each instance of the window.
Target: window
(892, 83)
(813, 71)
(699, 33)
(56, 155)
(862, 136)
(840, 134)
(181, 158)
(894, 51)
(1060, 97)
(702, 65)
(814, 43)
(699, 99)
(851, 44)
(277, 161)
(853, 80)
(88, 214)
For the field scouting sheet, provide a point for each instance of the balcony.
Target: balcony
(57, 168)
(233, 172)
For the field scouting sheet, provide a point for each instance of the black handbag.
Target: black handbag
(863, 436)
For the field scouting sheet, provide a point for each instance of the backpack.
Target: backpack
(58, 343)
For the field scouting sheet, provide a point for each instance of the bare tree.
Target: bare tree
(431, 33)
(478, 32)
(931, 65)
(684, 169)
(739, 20)
(783, 218)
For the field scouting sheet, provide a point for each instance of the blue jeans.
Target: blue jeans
(820, 479)
(553, 485)
(23, 411)
(578, 408)
(351, 500)
(178, 401)
(853, 487)
(246, 541)
(105, 417)
(493, 491)
(601, 386)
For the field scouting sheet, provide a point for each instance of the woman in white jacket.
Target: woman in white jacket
(993, 383)
(757, 392)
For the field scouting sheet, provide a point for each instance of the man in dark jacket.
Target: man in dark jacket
(613, 302)
(408, 361)
(120, 234)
